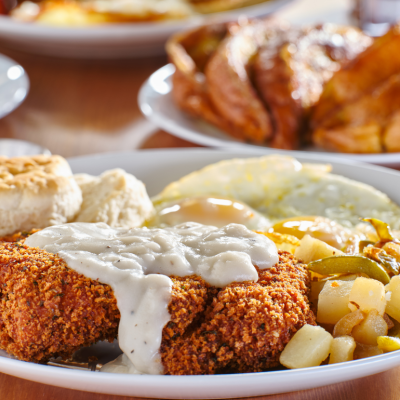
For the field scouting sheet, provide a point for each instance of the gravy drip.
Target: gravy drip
(137, 263)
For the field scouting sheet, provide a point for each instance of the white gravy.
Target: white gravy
(136, 263)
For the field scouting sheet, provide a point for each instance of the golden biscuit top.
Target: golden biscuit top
(33, 171)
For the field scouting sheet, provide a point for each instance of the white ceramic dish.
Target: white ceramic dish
(14, 85)
(156, 103)
(16, 148)
(157, 168)
(112, 40)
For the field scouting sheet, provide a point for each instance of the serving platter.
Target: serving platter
(157, 104)
(157, 168)
(113, 40)
(14, 85)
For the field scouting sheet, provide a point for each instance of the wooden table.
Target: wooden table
(80, 107)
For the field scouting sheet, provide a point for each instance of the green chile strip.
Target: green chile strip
(344, 264)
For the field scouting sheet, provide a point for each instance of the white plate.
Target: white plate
(157, 168)
(112, 40)
(156, 103)
(14, 85)
(17, 148)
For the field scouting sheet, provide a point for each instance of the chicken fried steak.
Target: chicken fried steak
(48, 310)
(247, 325)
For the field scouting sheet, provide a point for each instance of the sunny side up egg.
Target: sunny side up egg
(206, 210)
(275, 194)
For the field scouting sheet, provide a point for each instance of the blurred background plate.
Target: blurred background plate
(17, 148)
(14, 85)
(113, 40)
(156, 103)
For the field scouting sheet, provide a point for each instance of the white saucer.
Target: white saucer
(17, 148)
(14, 85)
(113, 40)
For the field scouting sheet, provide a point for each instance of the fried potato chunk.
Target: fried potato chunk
(308, 348)
(333, 301)
(342, 349)
(367, 294)
(368, 331)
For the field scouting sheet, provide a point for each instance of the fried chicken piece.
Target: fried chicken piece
(360, 76)
(211, 79)
(247, 325)
(189, 52)
(229, 85)
(391, 133)
(290, 76)
(367, 125)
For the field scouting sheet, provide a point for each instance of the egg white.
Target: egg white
(281, 187)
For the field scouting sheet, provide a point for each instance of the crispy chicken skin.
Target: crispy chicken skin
(290, 75)
(189, 52)
(259, 80)
(229, 85)
(360, 76)
(367, 125)
(49, 310)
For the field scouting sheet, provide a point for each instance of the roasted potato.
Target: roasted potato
(309, 346)
(333, 301)
(342, 349)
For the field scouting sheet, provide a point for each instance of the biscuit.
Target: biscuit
(36, 192)
(116, 198)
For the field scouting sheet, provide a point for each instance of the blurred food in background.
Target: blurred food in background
(267, 83)
(375, 17)
(89, 12)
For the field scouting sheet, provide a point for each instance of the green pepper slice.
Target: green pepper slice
(350, 264)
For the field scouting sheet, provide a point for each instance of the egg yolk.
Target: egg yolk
(318, 227)
(209, 211)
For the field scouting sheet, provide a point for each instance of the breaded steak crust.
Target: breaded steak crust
(49, 310)
(246, 326)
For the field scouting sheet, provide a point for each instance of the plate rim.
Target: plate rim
(115, 30)
(26, 84)
(146, 100)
